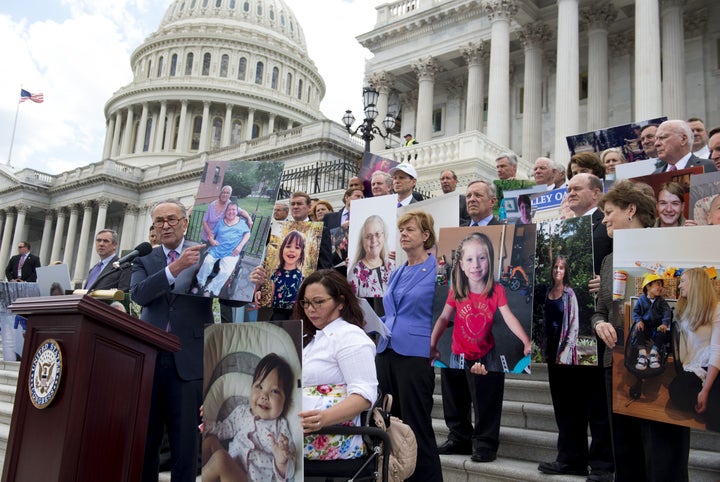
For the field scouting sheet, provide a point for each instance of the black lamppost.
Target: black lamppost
(368, 128)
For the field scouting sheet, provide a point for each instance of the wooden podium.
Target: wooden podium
(94, 428)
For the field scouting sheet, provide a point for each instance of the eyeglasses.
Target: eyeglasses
(172, 222)
(315, 305)
(371, 236)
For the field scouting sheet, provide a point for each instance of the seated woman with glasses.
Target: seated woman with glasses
(339, 378)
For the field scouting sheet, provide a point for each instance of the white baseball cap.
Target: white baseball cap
(406, 168)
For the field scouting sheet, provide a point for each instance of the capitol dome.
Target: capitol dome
(214, 74)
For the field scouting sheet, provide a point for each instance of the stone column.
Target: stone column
(648, 91)
(227, 126)
(6, 246)
(103, 204)
(383, 82)
(409, 110)
(59, 231)
(567, 81)
(425, 70)
(2, 226)
(249, 124)
(532, 37)
(142, 224)
(80, 264)
(271, 123)
(109, 131)
(22, 211)
(127, 138)
(182, 142)
(499, 12)
(204, 134)
(127, 240)
(170, 129)
(475, 54)
(598, 19)
(69, 256)
(115, 148)
(673, 59)
(160, 129)
(142, 128)
(45, 242)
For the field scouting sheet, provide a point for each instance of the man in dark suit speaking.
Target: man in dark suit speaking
(103, 276)
(673, 141)
(22, 266)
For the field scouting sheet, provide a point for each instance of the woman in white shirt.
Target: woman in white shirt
(696, 388)
(339, 377)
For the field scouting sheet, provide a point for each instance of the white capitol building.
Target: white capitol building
(231, 80)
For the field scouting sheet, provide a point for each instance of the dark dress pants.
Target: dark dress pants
(579, 399)
(460, 388)
(411, 382)
(175, 404)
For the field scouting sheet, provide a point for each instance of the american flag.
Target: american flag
(25, 95)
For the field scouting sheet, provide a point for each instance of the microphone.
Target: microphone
(141, 249)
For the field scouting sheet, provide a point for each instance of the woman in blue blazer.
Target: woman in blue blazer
(403, 360)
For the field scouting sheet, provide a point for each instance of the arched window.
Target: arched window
(206, 63)
(282, 19)
(256, 131)
(272, 13)
(232, 4)
(218, 3)
(148, 133)
(197, 128)
(236, 132)
(173, 65)
(288, 84)
(188, 64)
(192, 4)
(149, 68)
(259, 73)
(275, 75)
(216, 132)
(205, 3)
(242, 68)
(259, 9)
(246, 6)
(299, 92)
(224, 65)
(160, 65)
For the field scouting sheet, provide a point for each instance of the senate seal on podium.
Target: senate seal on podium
(45, 373)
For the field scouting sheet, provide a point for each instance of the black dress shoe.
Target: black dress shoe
(483, 455)
(453, 447)
(600, 476)
(559, 468)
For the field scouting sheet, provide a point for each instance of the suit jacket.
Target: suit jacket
(692, 162)
(602, 243)
(28, 269)
(408, 303)
(187, 314)
(464, 216)
(493, 222)
(110, 278)
(333, 220)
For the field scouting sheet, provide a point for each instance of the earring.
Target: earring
(630, 218)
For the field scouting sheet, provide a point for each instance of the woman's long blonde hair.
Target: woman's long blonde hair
(699, 307)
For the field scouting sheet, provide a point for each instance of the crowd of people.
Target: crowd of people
(354, 367)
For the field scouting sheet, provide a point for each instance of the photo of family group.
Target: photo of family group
(232, 217)
(667, 291)
(251, 399)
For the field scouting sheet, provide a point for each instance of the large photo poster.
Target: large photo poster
(666, 287)
(251, 398)
(231, 217)
(484, 295)
(562, 332)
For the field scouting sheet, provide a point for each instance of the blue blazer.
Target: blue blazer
(187, 314)
(408, 303)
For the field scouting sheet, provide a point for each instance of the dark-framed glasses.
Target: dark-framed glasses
(172, 222)
(314, 304)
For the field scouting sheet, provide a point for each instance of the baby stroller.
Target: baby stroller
(632, 350)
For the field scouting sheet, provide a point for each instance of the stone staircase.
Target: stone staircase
(527, 436)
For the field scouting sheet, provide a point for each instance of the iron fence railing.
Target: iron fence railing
(323, 176)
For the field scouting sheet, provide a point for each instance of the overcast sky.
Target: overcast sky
(77, 53)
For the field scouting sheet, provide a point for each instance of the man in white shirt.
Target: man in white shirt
(480, 200)
(404, 180)
(103, 276)
(506, 166)
(700, 138)
(544, 172)
(647, 140)
(381, 183)
(714, 145)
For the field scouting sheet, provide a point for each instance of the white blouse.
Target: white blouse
(702, 347)
(341, 353)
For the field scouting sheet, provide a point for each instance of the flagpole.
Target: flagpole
(12, 139)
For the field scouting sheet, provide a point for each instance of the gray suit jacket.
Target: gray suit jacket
(692, 162)
(110, 278)
(187, 315)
